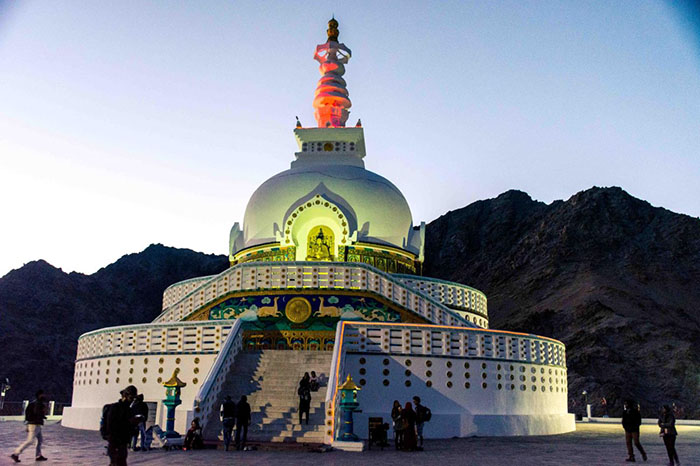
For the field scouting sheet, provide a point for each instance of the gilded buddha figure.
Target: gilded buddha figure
(320, 245)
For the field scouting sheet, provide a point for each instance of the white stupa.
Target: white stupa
(326, 275)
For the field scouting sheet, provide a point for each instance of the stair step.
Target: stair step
(270, 379)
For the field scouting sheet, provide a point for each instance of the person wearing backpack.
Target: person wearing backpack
(140, 409)
(34, 417)
(117, 426)
(423, 415)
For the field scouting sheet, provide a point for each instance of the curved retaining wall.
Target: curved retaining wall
(179, 290)
(476, 382)
(467, 301)
(109, 359)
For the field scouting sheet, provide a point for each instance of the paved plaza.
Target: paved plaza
(591, 444)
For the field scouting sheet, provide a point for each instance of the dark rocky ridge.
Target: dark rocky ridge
(611, 276)
(615, 279)
(43, 311)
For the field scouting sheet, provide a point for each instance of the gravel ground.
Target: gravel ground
(591, 444)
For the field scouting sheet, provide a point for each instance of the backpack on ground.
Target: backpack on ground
(104, 421)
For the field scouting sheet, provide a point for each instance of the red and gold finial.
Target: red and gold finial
(332, 30)
(331, 101)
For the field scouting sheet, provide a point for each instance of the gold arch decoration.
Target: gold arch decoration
(317, 201)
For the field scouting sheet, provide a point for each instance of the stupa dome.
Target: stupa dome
(373, 206)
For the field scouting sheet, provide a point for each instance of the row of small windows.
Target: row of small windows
(327, 146)
(144, 380)
(467, 365)
(554, 382)
(82, 377)
(484, 385)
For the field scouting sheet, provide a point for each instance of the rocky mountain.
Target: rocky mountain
(44, 310)
(614, 278)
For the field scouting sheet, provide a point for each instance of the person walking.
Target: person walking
(423, 415)
(667, 423)
(304, 393)
(228, 419)
(242, 422)
(140, 411)
(34, 416)
(409, 422)
(119, 426)
(631, 420)
(396, 420)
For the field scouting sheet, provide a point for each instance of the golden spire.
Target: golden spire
(333, 30)
(349, 384)
(174, 381)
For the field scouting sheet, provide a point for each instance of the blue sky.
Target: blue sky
(133, 122)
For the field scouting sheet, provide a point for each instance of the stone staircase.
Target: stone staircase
(269, 379)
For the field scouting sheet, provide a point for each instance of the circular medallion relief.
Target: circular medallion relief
(298, 310)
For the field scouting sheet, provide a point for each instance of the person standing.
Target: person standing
(119, 426)
(140, 411)
(304, 393)
(422, 416)
(242, 422)
(409, 422)
(396, 420)
(34, 416)
(228, 419)
(667, 423)
(631, 420)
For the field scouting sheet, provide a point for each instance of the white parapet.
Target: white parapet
(144, 356)
(475, 381)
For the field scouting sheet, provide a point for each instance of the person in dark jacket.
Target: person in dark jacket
(140, 410)
(667, 423)
(397, 420)
(304, 393)
(242, 422)
(193, 438)
(228, 419)
(631, 420)
(120, 422)
(34, 415)
(409, 422)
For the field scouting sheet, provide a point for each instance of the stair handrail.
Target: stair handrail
(336, 374)
(204, 401)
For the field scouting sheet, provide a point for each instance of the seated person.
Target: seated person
(193, 439)
(313, 382)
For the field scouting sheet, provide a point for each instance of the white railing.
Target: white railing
(336, 371)
(206, 402)
(433, 340)
(256, 276)
(454, 295)
(179, 290)
(159, 338)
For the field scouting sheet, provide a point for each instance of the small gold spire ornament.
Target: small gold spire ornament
(333, 30)
(174, 381)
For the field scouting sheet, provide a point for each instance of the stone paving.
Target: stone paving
(591, 444)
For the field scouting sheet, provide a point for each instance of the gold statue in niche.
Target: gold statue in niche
(320, 244)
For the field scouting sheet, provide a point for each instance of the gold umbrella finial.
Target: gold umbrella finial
(333, 30)
(174, 381)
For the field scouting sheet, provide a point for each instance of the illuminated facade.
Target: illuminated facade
(326, 270)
